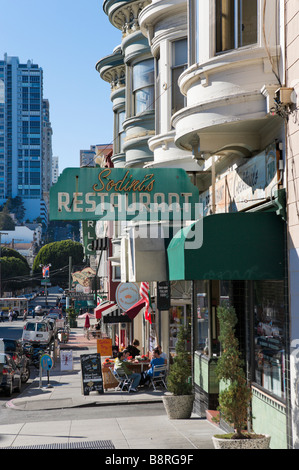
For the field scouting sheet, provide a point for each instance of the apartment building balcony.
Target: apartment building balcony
(235, 65)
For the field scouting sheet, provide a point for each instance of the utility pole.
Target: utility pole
(1, 233)
(70, 284)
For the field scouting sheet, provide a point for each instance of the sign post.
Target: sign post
(46, 363)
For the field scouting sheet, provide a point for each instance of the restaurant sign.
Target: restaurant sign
(124, 194)
(88, 236)
(250, 184)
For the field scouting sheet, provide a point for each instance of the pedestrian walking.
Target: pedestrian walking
(25, 313)
(10, 315)
(1, 316)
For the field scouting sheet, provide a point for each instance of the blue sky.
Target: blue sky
(66, 38)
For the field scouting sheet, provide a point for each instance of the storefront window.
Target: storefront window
(178, 316)
(269, 336)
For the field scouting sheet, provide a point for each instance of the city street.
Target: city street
(14, 329)
(124, 421)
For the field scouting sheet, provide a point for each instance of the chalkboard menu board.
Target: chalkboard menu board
(163, 295)
(92, 380)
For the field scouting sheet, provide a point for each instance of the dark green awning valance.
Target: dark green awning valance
(235, 246)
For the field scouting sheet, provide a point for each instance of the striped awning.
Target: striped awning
(116, 317)
(135, 309)
(105, 308)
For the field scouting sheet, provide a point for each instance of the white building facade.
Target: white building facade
(225, 82)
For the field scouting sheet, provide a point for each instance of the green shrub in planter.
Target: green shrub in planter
(178, 381)
(235, 399)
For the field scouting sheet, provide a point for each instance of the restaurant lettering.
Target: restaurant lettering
(121, 194)
(127, 183)
(79, 202)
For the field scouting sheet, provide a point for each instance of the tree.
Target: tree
(15, 206)
(6, 222)
(14, 270)
(57, 254)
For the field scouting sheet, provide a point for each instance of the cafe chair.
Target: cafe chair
(159, 376)
(124, 382)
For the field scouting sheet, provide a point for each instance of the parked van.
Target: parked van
(37, 332)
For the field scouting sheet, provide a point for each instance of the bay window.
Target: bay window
(179, 64)
(143, 86)
(236, 24)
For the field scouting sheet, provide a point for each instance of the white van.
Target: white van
(37, 332)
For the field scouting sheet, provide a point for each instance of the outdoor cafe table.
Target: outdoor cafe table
(138, 367)
(109, 381)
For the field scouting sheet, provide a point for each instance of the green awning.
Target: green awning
(235, 246)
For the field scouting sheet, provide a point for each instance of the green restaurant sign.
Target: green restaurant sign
(124, 194)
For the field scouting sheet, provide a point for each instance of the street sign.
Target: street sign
(46, 362)
(45, 282)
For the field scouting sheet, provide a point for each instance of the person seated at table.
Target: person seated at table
(156, 361)
(121, 368)
(162, 354)
(132, 348)
(126, 354)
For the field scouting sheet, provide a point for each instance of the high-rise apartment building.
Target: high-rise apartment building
(47, 154)
(21, 135)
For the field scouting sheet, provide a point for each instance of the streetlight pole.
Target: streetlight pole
(1, 233)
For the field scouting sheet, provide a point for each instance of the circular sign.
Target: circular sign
(46, 362)
(127, 294)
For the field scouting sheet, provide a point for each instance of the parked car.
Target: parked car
(37, 332)
(52, 325)
(14, 348)
(38, 310)
(62, 301)
(58, 318)
(10, 375)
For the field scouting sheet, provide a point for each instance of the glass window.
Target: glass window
(143, 86)
(269, 336)
(178, 316)
(41, 327)
(236, 24)
(179, 63)
(120, 130)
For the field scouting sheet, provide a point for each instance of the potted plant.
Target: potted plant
(234, 400)
(178, 402)
(72, 316)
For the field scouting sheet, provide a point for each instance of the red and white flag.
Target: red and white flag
(144, 294)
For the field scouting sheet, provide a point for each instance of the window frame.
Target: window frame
(180, 67)
(234, 26)
(141, 87)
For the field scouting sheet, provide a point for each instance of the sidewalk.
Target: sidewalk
(150, 432)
